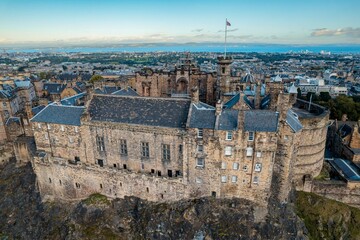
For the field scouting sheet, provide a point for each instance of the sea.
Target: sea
(236, 48)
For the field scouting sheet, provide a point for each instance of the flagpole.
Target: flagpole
(225, 36)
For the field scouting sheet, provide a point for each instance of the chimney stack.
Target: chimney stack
(195, 94)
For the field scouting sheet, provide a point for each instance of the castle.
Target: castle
(231, 138)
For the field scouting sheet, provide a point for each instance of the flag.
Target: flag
(228, 23)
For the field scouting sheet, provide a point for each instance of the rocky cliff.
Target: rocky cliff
(24, 216)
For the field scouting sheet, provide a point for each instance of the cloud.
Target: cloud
(197, 30)
(241, 36)
(229, 30)
(349, 31)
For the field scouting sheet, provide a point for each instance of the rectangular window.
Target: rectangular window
(228, 151)
(223, 179)
(200, 133)
(39, 125)
(46, 136)
(228, 136)
(48, 126)
(198, 180)
(100, 162)
(100, 143)
(234, 179)
(256, 180)
(235, 166)
(62, 128)
(123, 147)
(166, 152)
(71, 140)
(223, 165)
(145, 152)
(258, 167)
(76, 129)
(251, 136)
(258, 154)
(249, 151)
(200, 148)
(200, 162)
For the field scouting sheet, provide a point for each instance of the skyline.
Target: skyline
(118, 22)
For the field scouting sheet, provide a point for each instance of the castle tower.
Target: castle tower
(223, 76)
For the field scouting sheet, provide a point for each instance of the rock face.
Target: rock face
(24, 216)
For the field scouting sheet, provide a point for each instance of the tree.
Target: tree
(95, 78)
(324, 97)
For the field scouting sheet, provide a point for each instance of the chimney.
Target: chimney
(195, 94)
(257, 96)
(28, 109)
(218, 108)
(89, 91)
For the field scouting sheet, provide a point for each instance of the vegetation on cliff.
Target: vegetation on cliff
(327, 219)
(23, 215)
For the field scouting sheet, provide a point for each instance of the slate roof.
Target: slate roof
(36, 110)
(202, 116)
(293, 121)
(22, 84)
(54, 88)
(160, 112)
(59, 114)
(106, 90)
(5, 94)
(229, 104)
(72, 101)
(228, 119)
(126, 92)
(261, 121)
(13, 120)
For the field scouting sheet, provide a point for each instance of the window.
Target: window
(48, 126)
(123, 147)
(77, 185)
(145, 153)
(114, 165)
(228, 151)
(200, 162)
(100, 162)
(251, 136)
(234, 179)
(166, 152)
(76, 129)
(46, 136)
(245, 168)
(71, 140)
(223, 70)
(223, 179)
(124, 166)
(200, 133)
(228, 136)
(235, 166)
(39, 125)
(62, 128)
(170, 173)
(159, 173)
(152, 171)
(198, 180)
(258, 154)
(258, 167)
(200, 148)
(249, 151)
(256, 180)
(100, 143)
(223, 165)
(177, 173)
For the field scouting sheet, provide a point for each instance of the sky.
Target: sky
(169, 21)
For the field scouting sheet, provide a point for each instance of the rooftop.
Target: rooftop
(159, 112)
